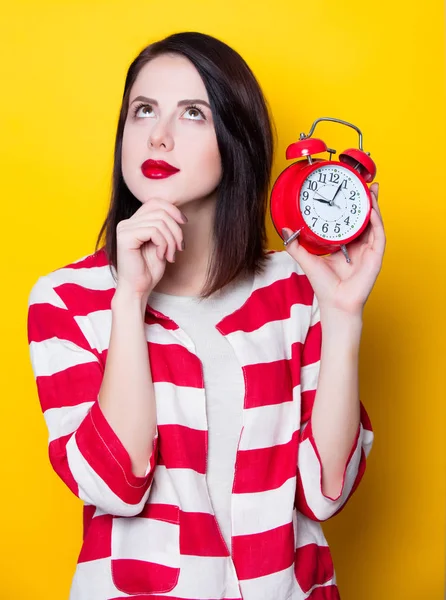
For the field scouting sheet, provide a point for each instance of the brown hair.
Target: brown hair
(244, 134)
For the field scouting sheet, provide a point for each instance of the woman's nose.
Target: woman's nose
(160, 136)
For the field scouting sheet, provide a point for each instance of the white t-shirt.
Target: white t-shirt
(223, 382)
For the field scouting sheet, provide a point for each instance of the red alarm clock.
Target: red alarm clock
(325, 202)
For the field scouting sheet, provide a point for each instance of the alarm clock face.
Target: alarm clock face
(333, 202)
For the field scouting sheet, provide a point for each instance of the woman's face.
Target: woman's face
(166, 127)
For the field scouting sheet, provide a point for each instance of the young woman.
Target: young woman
(192, 402)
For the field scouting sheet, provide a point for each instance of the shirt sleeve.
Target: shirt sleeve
(310, 499)
(83, 448)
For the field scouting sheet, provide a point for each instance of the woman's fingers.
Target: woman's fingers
(379, 237)
(161, 235)
(161, 215)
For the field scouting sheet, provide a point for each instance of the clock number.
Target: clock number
(352, 195)
(325, 228)
(344, 185)
(353, 210)
(312, 185)
(314, 221)
(334, 177)
(337, 229)
(347, 221)
(322, 177)
(305, 195)
(307, 210)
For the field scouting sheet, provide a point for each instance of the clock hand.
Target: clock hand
(324, 201)
(321, 196)
(337, 192)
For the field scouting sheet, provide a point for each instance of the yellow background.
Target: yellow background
(379, 65)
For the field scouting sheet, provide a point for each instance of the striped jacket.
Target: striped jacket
(156, 536)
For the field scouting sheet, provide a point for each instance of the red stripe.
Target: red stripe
(102, 449)
(87, 514)
(156, 597)
(265, 468)
(58, 458)
(46, 321)
(70, 387)
(306, 405)
(171, 363)
(328, 592)
(97, 259)
(181, 447)
(175, 364)
(311, 352)
(270, 303)
(161, 512)
(365, 420)
(268, 383)
(142, 577)
(153, 317)
(313, 566)
(83, 300)
(97, 543)
(264, 553)
(200, 535)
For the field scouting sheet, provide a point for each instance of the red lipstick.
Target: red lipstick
(157, 169)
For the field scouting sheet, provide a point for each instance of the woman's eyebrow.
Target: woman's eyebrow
(180, 103)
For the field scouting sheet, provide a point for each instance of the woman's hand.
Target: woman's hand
(340, 285)
(145, 242)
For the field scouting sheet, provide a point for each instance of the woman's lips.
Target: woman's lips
(157, 169)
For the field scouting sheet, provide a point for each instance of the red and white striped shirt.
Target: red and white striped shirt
(156, 536)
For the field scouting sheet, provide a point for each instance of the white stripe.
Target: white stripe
(267, 426)
(157, 334)
(307, 531)
(261, 511)
(309, 375)
(96, 328)
(169, 483)
(203, 577)
(66, 419)
(55, 355)
(367, 441)
(93, 581)
(310, 470)
(43, 293)
(94, 490)
(146, 539)
(282, 584)
(180, 405)
(93, 278)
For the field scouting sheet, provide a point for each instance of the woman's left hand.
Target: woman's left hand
(340, 285)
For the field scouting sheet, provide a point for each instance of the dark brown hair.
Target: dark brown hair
(244, 134)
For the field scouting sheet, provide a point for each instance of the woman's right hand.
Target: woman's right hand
(145, 242)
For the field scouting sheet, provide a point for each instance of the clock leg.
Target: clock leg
(345, 253)
(292, 237)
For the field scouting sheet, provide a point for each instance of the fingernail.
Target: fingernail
(182, 245)
(185, 219)
(285, 233)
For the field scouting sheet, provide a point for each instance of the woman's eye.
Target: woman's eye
(144, 110)
(195, 114)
